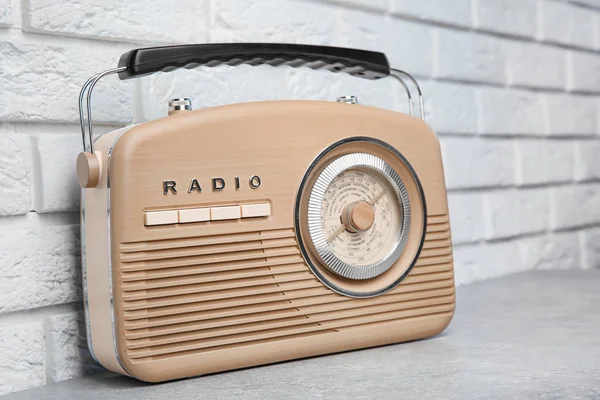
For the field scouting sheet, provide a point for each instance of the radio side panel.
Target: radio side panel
(97, 279)
(196, 298)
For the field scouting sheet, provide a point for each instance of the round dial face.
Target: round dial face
(358, 216)
(355, 194)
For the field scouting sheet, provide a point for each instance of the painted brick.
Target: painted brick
(372, 32)
(584, 71)
(535, 65)
(66, 346)
(453, 12)
(153, 21)
(506, 16)
(464, 56)
(558, 110)
(566, 24)
(15, 174)
(5, 13)
(22, 360)
(588, 197)
(560, 161)
(592, 3)
(531, 162)
(584, 115)
(378, 5)
(591, 248)
(484, 261)
(466, 217)
(41, 82)
(450, 108)
(472, 163)
(544, 161)
(303, 84)
(534, 210)
(467, 264)
(510, 112)
(59, 190)
(267, 20)
(571, 114)
(553, 251)
(597, 31)
(39, 267)
(575, 206)
(587, 158)
(513, 213)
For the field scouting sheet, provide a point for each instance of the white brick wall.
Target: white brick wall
(567, 24)
(512, 88)
(5, 13)
(23, 351)
(117, 20)
(503, 17)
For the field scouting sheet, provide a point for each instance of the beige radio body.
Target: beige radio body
(200, 234)
(184, 299)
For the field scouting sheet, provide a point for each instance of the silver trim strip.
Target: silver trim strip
(86, 304)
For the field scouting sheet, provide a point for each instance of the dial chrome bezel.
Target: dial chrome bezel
(315, 225)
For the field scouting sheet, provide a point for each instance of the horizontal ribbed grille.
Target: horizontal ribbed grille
(193, 295)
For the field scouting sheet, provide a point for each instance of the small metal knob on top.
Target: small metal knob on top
(177, 105)
(348, 99)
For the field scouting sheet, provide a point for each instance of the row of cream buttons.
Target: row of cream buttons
(206, 214)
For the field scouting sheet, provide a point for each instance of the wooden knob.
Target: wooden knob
(358, 216)
(88, 170)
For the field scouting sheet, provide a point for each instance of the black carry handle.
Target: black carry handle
(361, 63)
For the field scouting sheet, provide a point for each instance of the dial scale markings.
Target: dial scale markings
(360, 248)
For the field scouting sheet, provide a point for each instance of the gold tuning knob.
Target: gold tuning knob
(358, 217)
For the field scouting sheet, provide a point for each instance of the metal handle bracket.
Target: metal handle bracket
(88, 88)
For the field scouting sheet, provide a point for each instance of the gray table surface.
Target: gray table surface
(530, 335)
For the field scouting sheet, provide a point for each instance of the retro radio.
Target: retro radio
(254, 233)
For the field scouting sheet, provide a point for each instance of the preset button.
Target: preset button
(160, 217)
(194, 215)
(256, 210)
(222, 213)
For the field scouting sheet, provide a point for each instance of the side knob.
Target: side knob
(88, 169)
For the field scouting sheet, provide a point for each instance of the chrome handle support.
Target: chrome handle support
(88, 88)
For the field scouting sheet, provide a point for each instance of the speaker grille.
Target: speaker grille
(192, 295)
